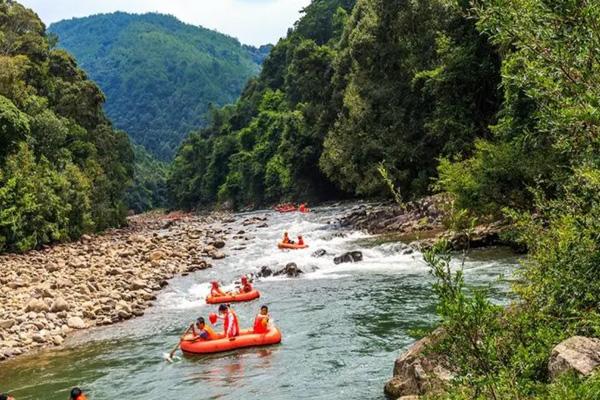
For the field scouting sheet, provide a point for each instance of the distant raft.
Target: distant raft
(290, 246)
(247, 338)
(233, 298)
(285, 209)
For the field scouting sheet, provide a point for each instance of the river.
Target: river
(343, 325)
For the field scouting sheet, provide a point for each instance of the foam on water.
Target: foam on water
(260, 249)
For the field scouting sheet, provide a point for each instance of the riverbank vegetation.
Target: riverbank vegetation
(541, 168)
(63, 168)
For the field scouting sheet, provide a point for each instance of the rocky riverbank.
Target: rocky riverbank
(101, 279)
(421, 223)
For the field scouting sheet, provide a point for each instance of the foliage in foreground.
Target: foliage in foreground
(63, 168)
(503, 353)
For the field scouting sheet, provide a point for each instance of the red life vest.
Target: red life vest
(261, 324)
(235, 329)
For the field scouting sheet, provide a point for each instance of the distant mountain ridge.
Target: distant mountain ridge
(160, 75)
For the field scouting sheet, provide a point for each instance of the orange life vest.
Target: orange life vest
(211, 333)
(261, 324)
(235, 329)
(215, 292)
(246, 288)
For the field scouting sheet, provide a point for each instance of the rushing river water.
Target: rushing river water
(343, 325)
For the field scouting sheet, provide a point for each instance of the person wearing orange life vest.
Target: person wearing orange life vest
(261, 322)
(202, 331)
(215, 290)
(77, 394)
(302, 207)
(246, 286)
(286, 239)
(230, 322)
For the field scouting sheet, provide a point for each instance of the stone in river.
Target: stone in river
(291, 270)
(352, 256)
(319, 253)
(264, 272)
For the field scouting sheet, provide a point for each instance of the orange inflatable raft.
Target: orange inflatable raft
(290, 246)
(247, 338)
(233, 298)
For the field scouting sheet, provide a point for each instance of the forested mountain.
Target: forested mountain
(350, 90)
(63, 168)
(159, 75)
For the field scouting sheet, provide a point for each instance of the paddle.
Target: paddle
(172, 353)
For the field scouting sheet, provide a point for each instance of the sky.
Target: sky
(254, 22)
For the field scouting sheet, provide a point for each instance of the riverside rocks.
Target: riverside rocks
(100, 279)
(578, 353)
(421, 222)
(420, 370)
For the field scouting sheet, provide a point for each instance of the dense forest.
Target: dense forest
(494, 103)
(159, 75)
(353, 89)
(63, 167)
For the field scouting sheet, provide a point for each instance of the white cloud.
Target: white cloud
(252, 21)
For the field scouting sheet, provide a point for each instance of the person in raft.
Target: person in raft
(302, 207)
(230, 321)
(262, 320)
(246, 285)
(6, 396)
(215, 290)
(201, 331)
(286, 239)
(77, 394)
(300, 240)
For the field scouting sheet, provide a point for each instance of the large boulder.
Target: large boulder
(420, 370)
(352, 256)
(76, 323)
(37, 305)
(579, 354)
(291, 271)
(59, 304)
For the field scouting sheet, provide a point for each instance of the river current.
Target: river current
(342, 325)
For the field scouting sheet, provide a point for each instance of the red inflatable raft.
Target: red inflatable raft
(290, 246)
(286, 210)
(247, 338)
(233, 298)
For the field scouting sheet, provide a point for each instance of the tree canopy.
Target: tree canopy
(63, 167)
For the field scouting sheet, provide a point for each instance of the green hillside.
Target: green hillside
(159, 75)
